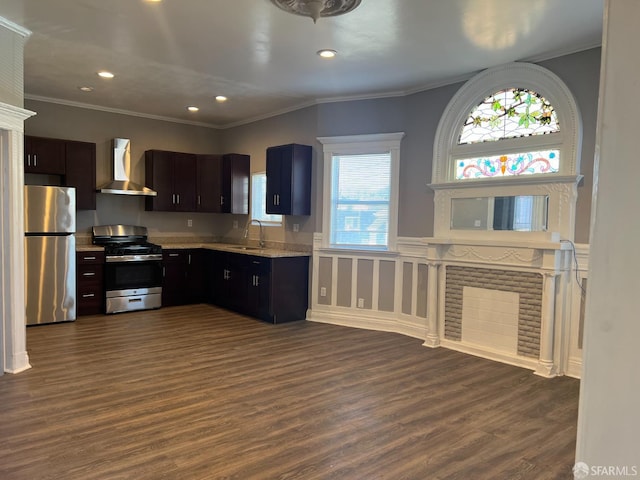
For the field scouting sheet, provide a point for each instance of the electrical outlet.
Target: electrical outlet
(361, 303)
(296, 227)
(323, 291)
(235, 224)
(477, 223)
(189, 223)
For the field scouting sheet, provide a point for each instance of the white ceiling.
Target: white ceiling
(175, 53)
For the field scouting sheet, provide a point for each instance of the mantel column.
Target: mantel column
(546, 367)
(432, 338)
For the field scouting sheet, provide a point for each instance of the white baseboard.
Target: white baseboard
(356, 318)
(17, 363)
(517, 361)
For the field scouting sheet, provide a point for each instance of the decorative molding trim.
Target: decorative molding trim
(526, 257)
(351, 317)
(118, 111)
(12, 117)
(14, 27)
(511, 182)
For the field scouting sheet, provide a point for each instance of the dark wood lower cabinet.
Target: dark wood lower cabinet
(272, 289)
(184, 280)
(174, 277)
(90, 283)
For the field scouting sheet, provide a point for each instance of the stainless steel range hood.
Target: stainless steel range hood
(121, 185)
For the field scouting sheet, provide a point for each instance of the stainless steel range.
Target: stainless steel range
(133, 268)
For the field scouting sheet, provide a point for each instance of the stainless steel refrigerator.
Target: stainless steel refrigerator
(50, 254)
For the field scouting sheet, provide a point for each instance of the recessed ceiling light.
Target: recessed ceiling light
(327, 53)
(86, 89)
(221, 98)
(105, 74)
(191, 108)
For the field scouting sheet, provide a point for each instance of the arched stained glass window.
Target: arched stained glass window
(509, 113)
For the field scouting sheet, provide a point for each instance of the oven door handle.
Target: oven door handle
(134, 258)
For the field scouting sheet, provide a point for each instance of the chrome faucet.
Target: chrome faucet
(261, 243)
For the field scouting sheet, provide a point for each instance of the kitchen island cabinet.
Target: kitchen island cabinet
(289, 179)
(90, 282)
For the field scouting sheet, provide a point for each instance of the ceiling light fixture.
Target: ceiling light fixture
(105, 74)
(221, 98)
(327, 53)
(191, 108)
(317, 8)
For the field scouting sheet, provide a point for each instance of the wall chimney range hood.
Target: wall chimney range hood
(121, 185)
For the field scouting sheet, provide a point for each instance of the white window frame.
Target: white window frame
(274, 220)
(361, 145)
(560, 187)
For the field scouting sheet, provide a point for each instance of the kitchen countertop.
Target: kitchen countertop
(268, 252)
(242, 249)
(89, 248)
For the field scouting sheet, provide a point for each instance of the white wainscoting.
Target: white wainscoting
(350, 288)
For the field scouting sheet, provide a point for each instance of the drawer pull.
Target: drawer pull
(88, 274)
(88, 295)
(88, 258)
(174, 254)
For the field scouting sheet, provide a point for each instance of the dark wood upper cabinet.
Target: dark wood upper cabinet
(44, 155)
(235, 183)
(289, 179)
(173, 176)
(208, 186)
(80, 172)
(73, 162)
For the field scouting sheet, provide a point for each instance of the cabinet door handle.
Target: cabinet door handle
(173, 198)
(88, 295)
(199, 200)
(174, 254)
(178, 195)
(28, 159)
(88, 258)
(221, 200)
(257, 280)
(35, 160)
(189, 261)
(89, 274)
(163, 272)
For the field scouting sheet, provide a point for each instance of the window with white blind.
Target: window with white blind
(259, 201)
(361, 191)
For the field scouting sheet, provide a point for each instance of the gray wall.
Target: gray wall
(11, 59)
(417, 115)
(72, 123)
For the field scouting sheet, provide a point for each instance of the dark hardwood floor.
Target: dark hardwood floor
(197, 392)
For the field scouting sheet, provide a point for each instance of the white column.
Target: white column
(12, 239)
(432, 338)
(546, 367)
(609, 413)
